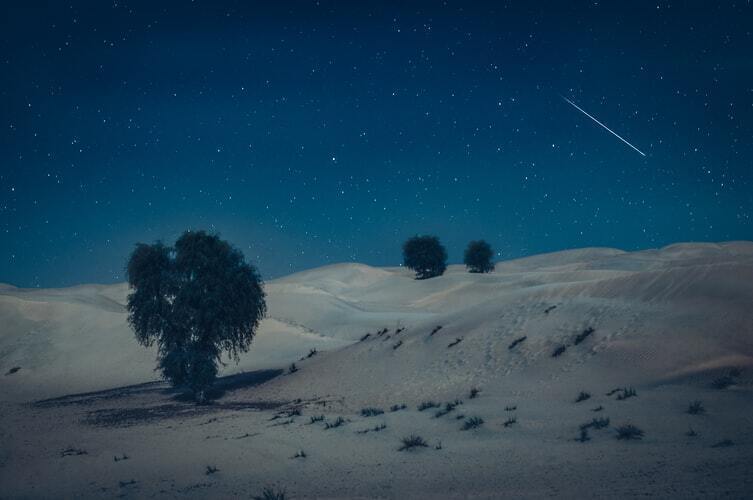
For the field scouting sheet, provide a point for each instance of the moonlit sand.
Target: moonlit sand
(83, 414)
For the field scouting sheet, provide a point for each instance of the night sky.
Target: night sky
(309, 133)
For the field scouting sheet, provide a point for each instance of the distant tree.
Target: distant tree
(196, 301)
(425, 255)
(478, 257)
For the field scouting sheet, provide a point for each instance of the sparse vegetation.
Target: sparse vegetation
(271, 494)
(425, 255)
(394, 347)
(438, 446)
(312, 353)
(316, 418)
(376, 428)
(510, 421)
(474, 393)
(583, 396)
(292, 368)
(174, 291)
(71, 452)
(550, 309)
(516, 342)
(399, 407)
(583, 335)
(596, 423)
(411, 442)
(337, 423)
(726, 380)
(478, 257)
(211, 469)
(447, 409)
(696, 408)
(691, 432)
(627, 393)
(725, 443)
(435, 330)
(426, 405)
(613, 392)
(511, 408)
(559, 351)
(597, 409)
(583, 437)
(455, 342)
(365, 337)
(121, 458)
(629, 432)
(371, 412)
(13, 370)
(472, 423)
(300, 454)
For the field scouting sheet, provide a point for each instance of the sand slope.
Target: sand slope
(667, 322)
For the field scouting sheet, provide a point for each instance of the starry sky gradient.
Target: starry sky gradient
(309, 133)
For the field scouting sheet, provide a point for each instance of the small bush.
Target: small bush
(583, 335)
(399, 330)
(696, 408)
(726, 380)
(13, 370)
(300, 454)
(455, 342)
(120, 459)
(365, 337)
(474, 393)
(438, 446)
(271, 494)
(337, 423)
(371, 412)
(394, 347)
(428, 405)
(435, 330)
(582, 397)
(312, 353)
(596, 423)
(472, 423)
(516, 342)
(376, 428)
(294, 413)
(549, 309)
(583, 435)
(725, 443)
(211, 470)
(597, 409)
(511, 408)
(626, 394)
(460, 417)
(395, 408)
(316, 418)
(629, 432)
(447, 409)
(613, 391)
(559, 351)
(510, 421)
(411, 442)
(292, 368)
(72, 452)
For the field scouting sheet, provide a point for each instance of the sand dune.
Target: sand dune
(667, 322)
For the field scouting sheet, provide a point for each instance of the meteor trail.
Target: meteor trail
(597, 121)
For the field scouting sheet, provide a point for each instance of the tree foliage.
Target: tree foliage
(478, 257)
(425, 255)
(196, 301)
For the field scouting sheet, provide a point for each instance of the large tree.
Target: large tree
(478, 257)
(425, 255)
(196, 301)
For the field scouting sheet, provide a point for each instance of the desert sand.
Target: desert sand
(645, 334)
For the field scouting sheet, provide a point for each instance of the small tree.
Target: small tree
(425, 255)
(195, 300)
(478, 257)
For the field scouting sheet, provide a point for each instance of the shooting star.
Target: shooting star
(597, 121)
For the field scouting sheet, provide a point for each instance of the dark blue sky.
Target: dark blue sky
(309, 133)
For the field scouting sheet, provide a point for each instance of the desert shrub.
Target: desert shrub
(337, 423)
(596, 423)
(376, 428)
(511, 408)
(394, 347)
(70, 452)
(425, 255)
(121, 458)
(583, 437)
(426, 405)
(399, 407)
(447, 409)
(478, 257)
(316, 418)
(550, 309)
(628, 432)
(474, 393)
(723, 443)
(294, 413)
(559, 351)
(614, 391)
(211, 470)
(435, 330)
(627, 393)
(516, 342)
(726, 380)
(510, 421)
(13, 370)
(583, 335)
(292, 368)
(455, 342)
(460, 417)
(365, 337)
(412, 441)
(371, 412)
(300, 454)
(696, 408)
(400, 330)
(438, 446)
(196, 301)
(472, 423)
(312, 353)
(271, 494)
(582, 397)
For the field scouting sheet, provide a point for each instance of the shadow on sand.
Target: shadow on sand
(144, 403)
